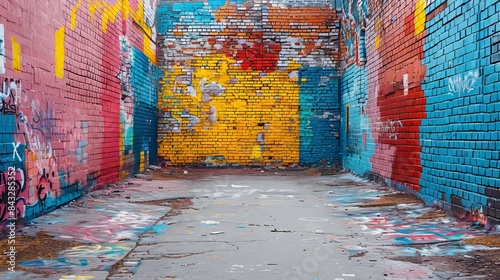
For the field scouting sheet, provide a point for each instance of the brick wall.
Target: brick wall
(250, 82)
(403, 91)
(427, 120)
(65, 81)
(356, 137)
(461, 135)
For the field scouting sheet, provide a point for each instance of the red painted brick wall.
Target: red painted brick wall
(394, 50)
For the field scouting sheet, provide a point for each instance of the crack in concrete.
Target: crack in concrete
(176, 205)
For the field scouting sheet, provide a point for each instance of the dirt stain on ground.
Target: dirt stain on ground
(433, 214)
(484, 264)
(177, 204)
(392, 199)
(492, 240)
(192, 173)
(41, 246)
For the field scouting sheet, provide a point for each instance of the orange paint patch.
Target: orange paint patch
(305, 22)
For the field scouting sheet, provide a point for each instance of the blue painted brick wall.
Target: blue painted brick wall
(319, 115)
(356, 153)
(145, 88)
(460, 137)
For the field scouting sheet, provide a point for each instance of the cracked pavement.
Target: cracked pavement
(247, 224)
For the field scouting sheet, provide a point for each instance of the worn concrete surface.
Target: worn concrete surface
(246, 224)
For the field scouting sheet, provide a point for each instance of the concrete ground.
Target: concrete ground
(247, 224)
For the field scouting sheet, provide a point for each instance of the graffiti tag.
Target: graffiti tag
(462, 84)
(12, 182)
(388, 128)
(11, 90)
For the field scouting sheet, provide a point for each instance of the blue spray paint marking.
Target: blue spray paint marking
(356, 198)
(53, 264)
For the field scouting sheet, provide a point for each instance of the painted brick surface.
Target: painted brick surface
(431, 103)
(63, 85)
(460, 136)
(253, 82)
(357, 140)
(144, 81)
(319, 115)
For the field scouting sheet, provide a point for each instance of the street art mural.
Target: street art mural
(256, 84)
(35, 138)
(376, 85)
(61, 125)
(419, 116)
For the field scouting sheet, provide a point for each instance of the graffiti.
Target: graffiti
(10, 96)
(462, 84)
(125, 67)
(387, 129)
(353, 16)
(17, 176)
(38, 130)
(126, 104)
(43, 121)
(2, 50)
(45, 187)
(15, 153)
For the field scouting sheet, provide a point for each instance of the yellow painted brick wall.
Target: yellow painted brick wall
(231, 86)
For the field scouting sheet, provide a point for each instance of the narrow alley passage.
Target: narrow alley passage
(250, 224)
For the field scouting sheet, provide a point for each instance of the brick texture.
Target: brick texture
(250, 81)
(65, 82)
(421, 110)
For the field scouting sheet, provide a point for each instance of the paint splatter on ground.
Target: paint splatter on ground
(41, 246)
(392, 199)
(489, 240)
(176, 204)
(471, 265)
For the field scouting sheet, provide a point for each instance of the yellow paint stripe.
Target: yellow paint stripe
(420, 17)
(143, 160)
(16, 55)
(73, 14)
(59, 52)
(148, 49)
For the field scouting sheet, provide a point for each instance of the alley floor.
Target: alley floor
(249, 224)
